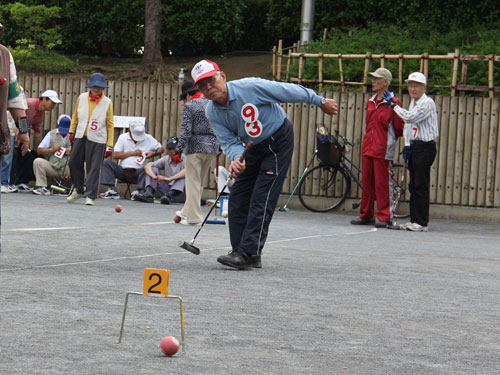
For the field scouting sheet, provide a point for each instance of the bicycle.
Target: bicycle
(400, 193)
(331, 179)
(333, 176)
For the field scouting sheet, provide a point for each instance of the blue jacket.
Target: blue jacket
(253, 112)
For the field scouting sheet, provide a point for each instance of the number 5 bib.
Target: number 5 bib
(94, 125)
(250, 115)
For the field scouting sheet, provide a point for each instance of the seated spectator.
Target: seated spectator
(22, 163)
(132, 148)
(55, 149)
(170, 184)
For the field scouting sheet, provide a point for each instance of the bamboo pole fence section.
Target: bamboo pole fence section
(321, 78)
(466, 171)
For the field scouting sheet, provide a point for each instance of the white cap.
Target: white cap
(204, 69)
(137, 130)
(417, 77)
(52, 95)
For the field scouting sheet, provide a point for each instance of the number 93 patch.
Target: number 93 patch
(250, 115)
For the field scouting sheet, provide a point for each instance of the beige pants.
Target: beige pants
(198, 166)
(43, 169)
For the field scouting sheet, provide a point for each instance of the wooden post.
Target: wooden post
(342, 84)
(320, 71)
(288, 66)
(274, 63)
(382, 61)
(301, 64)
(491, 93)
(368, 59)
(280, 53)
(426, 64)
(463, 77)
(324, 34)
(454, 73)
(400, 75)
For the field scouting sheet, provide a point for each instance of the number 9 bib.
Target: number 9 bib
(250, 115)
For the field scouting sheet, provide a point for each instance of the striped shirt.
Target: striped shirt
(421, 123)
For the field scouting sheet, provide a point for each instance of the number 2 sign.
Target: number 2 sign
(156, 281)
(250, 115)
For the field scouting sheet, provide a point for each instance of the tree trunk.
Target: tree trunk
(152, 38)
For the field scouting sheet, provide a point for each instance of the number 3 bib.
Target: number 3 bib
(250, 115)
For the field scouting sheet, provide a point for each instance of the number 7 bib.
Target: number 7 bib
(250, 115)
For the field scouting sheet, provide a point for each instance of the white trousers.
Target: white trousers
(198, 166)
(43, 169)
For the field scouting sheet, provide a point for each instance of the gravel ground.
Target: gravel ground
(331, 298)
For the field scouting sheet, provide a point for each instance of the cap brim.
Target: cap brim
(206, 75)
(98, 84)
(56, 100)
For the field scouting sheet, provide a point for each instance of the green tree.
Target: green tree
(209, 26)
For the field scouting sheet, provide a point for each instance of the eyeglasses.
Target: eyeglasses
(204, 83)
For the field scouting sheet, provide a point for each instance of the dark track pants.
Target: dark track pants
(421, 159)
(86, 156)
(255, 192)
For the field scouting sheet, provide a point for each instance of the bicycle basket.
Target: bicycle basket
(328, 147)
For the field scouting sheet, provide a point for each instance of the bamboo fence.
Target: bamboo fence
(466, 171)
(293, 57)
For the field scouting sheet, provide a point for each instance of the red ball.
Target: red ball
(177, 219)
(169, 345)
(118, 208)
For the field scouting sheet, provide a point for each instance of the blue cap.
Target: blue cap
(63, 124)
(97, 79)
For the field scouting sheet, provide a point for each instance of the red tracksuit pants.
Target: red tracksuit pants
(376, 181)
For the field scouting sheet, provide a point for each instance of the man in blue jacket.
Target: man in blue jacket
(249, 110)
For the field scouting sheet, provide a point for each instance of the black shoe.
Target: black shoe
(165, 200)
(146, 198)
(255, 261)
(361, 221)
(236, 259)
(382, 224)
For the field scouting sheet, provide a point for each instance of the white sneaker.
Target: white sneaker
(133, 194)
(110, 194)
(13, 189)
(414, 227)
(405, 226)
(41, 191)
(5, 189)
(185, 222)
(23, 188)
(89, 202)
(179, 213)
(74, 196)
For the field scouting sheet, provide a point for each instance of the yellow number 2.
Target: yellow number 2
(156, 281)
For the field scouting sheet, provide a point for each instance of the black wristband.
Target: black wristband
(23, 125)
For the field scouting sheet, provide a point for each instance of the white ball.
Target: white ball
(224, 213)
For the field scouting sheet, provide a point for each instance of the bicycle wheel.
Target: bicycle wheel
(401, 194)
(324, 188)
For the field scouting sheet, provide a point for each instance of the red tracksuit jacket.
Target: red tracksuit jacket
(383, 127)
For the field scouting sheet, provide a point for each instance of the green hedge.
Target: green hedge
(388, 40)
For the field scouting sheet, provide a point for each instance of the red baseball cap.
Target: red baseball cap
(204, 69)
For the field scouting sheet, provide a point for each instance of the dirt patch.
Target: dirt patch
(236, 66)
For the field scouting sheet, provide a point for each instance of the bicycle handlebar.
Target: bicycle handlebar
(344, 139)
